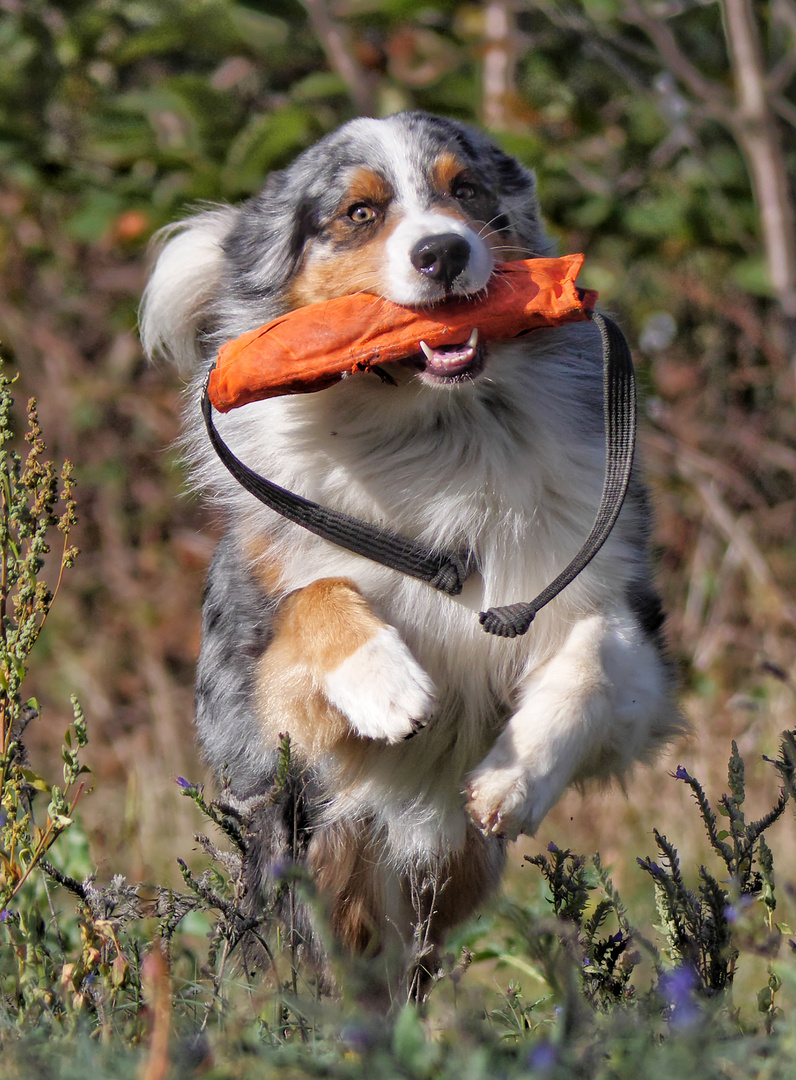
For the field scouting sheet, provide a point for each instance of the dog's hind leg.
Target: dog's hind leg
(601, 703)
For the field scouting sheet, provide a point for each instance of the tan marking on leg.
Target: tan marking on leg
(473, 874)
(456, 887)
(448, 894)
(315, 629)
(265, 566)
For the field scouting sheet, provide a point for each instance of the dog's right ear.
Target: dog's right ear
(185, 281)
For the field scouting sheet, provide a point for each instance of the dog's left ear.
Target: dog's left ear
(266, 245)
(516, 186)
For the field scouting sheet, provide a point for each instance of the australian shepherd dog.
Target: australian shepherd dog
(425, 744)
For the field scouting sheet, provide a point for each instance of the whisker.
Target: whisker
(521, 250)
(486, 225)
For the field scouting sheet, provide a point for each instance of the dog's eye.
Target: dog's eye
(463, 189)
(361, 213)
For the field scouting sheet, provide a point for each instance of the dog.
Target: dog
(424, 743)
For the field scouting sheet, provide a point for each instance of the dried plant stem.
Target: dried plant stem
(751, 120)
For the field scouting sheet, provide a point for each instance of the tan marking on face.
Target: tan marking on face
(326, 275)
(368, 187)
(356, 260)
(445, 170)
(315, 629)
(479, 212)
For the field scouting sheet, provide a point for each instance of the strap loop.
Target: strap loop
(447, 571)
(619, 410)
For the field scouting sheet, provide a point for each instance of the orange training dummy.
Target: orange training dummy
(315, 346)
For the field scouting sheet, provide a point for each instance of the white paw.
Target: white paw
(381, 689)
(506, 800)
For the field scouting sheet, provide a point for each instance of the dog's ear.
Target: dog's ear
(268, 240)
(184, 283)
(516, 187)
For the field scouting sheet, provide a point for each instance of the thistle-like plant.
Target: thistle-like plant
(698, 923)
(30, 497)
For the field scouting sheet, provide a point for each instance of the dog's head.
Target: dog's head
(413, 208)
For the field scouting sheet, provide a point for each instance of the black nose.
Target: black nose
(441, 258)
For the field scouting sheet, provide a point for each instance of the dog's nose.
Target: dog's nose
(441, 258)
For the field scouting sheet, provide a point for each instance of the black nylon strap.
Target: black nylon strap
(448, 571)
(442, 570)
(619, 410)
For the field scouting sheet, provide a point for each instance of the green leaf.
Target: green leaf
(752, 276)
(34, 780)
(259, 31)
(409, 1043)
(93, 220)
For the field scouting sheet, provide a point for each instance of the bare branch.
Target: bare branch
(500, 58)
(755, 128)
(781, 75)
(784, 13)
(710, 93)
(785, 109)
(337, 45)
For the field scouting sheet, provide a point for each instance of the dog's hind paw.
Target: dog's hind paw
(497, 803)
(507, 800)
(381, 689)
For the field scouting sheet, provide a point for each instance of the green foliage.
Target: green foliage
(698, 924)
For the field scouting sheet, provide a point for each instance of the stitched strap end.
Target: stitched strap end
(507, 622)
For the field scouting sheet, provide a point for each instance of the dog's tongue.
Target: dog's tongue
(450, 360)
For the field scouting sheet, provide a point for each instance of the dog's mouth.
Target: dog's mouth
(451, 363)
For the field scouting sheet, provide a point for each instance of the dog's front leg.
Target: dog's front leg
(333, 667)
(589, 711)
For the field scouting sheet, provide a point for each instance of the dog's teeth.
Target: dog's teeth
(473, 339)
(427, 351)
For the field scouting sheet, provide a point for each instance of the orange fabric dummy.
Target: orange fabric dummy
(317, 345)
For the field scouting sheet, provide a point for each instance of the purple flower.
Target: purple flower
(678, 988)
(733, 912)
(359, 1037)
(681, 773)
(543, 1057)
(186, 785)
(4, 914)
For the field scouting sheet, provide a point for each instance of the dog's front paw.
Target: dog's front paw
(381, 689)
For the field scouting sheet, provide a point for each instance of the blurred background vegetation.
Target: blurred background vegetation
(662, 132)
